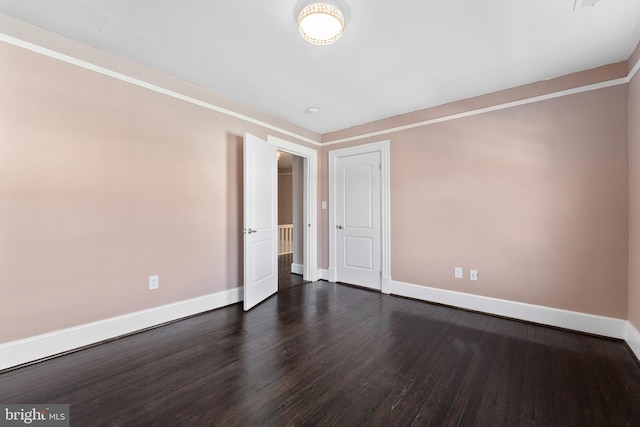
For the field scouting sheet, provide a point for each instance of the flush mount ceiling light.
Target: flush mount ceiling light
(321, 23)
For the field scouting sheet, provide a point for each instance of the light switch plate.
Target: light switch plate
(458, 273)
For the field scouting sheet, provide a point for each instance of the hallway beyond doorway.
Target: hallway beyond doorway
(285, 278)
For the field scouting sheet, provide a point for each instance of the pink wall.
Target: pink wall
(102, 184)
(634, 201)
(534, 197)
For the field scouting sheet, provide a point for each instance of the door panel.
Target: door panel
(359, 252)
(358, 212)
(358, 196)
(260, 220)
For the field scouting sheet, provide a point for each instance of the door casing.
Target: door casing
(310, 203)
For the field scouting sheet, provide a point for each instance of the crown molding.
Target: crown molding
(150, 86)
(562, 93)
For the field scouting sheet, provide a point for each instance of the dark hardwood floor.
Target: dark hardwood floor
(285, 278)
(328, 354)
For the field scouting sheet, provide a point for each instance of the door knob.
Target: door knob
(339, 227)
(249, 231)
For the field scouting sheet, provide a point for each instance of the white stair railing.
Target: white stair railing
(285, 239)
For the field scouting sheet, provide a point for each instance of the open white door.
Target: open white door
(260, 220)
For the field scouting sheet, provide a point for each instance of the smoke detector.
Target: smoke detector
(584, 3)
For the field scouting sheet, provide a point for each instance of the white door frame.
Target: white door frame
(310, 203)
(385, 215)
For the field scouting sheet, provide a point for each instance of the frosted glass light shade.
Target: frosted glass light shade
(321, 23)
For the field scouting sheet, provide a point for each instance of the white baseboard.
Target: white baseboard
(297, 268)
(633, 339)
(315, 275)
(582, 322)
(385, 284)
(332, 275)
(42, 346)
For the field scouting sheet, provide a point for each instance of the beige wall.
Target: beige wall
(102, 184)
(285, 197)
(534, 197)
(634, 201)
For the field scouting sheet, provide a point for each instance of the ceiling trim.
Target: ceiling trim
(591, 87)
(150, 86)
(633, 71)
(141, 83)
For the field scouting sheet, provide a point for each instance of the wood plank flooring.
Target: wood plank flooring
(285, 278)
(329, 354)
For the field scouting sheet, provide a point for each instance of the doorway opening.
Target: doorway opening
(290, 220)
(260, 212)
(304, 170)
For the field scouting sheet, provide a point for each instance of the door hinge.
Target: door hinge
(380, 166)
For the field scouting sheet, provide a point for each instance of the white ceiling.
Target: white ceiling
(395, 56)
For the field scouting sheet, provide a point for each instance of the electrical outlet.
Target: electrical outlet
(153, 282)
(473, 275)
(458, 273)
